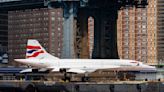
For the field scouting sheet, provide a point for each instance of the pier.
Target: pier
(52, 86)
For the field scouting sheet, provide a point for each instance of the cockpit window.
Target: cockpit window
(138, 64)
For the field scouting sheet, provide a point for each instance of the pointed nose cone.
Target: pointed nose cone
(148, 67)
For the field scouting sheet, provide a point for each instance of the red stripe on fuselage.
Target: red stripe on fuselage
(33, 47)
(133, 62)
(35, 54)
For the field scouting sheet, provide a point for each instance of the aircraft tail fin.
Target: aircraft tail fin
(35, 50)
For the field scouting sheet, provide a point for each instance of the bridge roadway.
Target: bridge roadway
(51, 86)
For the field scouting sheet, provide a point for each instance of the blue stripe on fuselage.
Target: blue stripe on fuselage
(31, 51)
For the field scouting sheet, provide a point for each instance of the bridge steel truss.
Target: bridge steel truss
(76, 13)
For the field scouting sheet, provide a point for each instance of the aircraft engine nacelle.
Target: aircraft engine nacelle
(35, 70)
(30, 70)
(62, 70)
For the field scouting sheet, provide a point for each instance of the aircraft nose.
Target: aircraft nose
(149, 67)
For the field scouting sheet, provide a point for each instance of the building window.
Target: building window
(59, 28)
(53, 18)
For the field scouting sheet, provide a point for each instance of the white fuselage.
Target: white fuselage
(89, 65)
(39, 58)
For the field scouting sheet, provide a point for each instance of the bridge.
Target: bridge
(75, 31)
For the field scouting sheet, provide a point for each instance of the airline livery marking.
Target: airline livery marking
(33, 47)
(31, 51)
(133, 62)
(34, 51)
